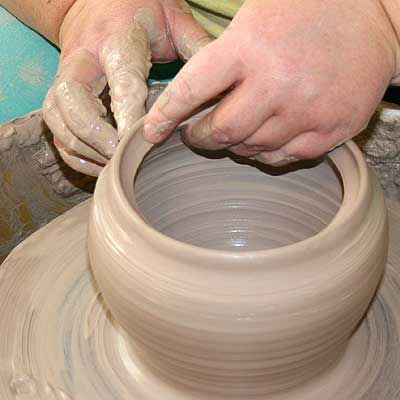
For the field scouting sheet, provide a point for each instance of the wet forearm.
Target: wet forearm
(45, 16)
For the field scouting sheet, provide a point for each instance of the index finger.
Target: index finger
(209, 73)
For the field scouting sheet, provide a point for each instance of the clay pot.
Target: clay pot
(231, 279)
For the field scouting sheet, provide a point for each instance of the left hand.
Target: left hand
(111, 42)
(302, 77)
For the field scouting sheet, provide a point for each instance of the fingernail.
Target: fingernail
(155, 133)
(276, 158)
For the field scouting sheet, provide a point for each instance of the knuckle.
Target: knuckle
(311, 92)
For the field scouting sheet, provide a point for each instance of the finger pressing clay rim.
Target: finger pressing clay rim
(134, 147)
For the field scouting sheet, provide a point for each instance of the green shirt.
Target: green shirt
(214, 15)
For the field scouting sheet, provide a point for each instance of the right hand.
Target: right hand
(300, 77)
(111, 42)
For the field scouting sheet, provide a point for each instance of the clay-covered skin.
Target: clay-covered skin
(119, 41)
(226, 322)
(50, 301)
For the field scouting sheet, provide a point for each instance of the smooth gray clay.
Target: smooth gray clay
(232, 281)
(245, 316)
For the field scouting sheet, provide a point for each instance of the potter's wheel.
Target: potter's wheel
(58, 342)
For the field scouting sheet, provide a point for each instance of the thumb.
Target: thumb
(187, 34)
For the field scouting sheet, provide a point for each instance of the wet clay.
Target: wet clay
(35, 185)
(62, 343)
(230, 281)
(88, 356)
(27, 154)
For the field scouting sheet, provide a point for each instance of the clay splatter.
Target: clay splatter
(33, 73)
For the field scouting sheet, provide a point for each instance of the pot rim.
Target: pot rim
(353, 200)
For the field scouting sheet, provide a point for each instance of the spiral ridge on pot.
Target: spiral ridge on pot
(231, 279)
(213, 201)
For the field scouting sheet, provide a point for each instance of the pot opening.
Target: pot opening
(219, 201)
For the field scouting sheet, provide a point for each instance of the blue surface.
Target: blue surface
(28, 64)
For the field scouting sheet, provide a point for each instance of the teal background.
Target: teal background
(28, 64)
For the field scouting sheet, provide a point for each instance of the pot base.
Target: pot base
(57, 340)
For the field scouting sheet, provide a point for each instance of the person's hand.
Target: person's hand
(111, 42)
(301, 77)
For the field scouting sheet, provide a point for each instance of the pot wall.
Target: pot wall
(237, 323)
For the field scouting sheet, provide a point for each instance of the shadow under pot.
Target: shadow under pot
(232, 279)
